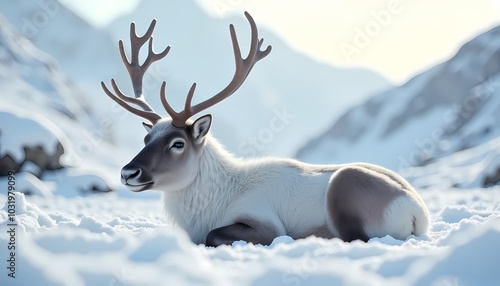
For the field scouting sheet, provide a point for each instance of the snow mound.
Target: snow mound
(110, 240)
(29, 184)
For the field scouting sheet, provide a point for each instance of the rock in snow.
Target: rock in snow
(41, 142)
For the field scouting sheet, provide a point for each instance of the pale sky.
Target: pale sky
(395, 38)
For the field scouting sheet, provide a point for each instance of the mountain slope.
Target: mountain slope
(443, 110)
(84, 53)
(475, 167)
(49, 135)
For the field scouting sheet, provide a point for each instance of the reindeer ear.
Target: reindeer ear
(147, 126)
(201, 127)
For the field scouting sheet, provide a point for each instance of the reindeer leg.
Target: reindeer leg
(249, 230)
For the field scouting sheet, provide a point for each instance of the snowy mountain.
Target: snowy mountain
(84, 54)
(29, 75)
(32, 85)
(451, 107)
(47, 124)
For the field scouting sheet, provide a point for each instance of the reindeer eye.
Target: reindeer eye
(178, 145)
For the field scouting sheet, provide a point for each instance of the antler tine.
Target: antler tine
(254, 44)
(189, 99)
(236, 46)
(136, 72)
(178, 118)
(137, 101)
(134, 68)
(137, 41)
(243, 68)
(165, 103)
(149, 115)
(152, 56)
(264, 53)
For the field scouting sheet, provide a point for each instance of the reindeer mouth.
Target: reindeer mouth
(140, 187)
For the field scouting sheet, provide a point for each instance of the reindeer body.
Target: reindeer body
(279, 193)
(218, 198)
(288, 197)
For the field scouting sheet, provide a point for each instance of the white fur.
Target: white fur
(286, 193)
(405, 216)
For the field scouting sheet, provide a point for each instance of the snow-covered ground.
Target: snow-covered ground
(110, 239)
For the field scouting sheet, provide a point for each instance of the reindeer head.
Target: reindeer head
(173, 146)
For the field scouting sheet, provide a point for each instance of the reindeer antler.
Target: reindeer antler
(136, 72)
(243, 68)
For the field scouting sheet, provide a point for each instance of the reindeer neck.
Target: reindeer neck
(197, 206)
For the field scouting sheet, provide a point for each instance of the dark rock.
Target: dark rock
(492, 180)
(36, 155)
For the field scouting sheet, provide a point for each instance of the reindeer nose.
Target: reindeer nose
(130, 174)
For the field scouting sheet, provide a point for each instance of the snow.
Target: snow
(468, 168)
(38, 131)
(113, 240)
(27, 183)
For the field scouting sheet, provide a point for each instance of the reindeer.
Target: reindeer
(218, 198)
